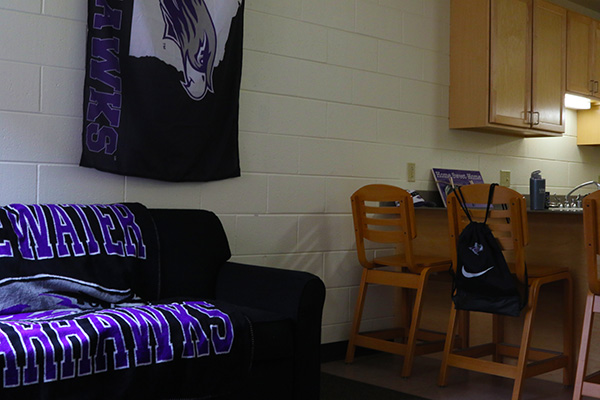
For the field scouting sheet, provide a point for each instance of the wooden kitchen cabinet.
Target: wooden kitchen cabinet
(508, 66)
(583, 72)
(588, 126)
(583, 55)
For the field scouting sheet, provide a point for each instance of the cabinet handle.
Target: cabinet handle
(537, 120)
(595, 86)
(591, 86)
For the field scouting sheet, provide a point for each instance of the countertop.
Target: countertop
(433, 197)
(546, 211)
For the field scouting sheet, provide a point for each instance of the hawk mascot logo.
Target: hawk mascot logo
(188, 37)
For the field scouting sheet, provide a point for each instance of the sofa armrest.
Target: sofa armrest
(294, 294)
(290, 293)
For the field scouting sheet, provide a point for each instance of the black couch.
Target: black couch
(279, 350)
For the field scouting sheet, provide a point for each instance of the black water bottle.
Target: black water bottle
(537, 191)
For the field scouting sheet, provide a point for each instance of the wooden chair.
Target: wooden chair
(385, 214)
(589, 385)
(508, 222)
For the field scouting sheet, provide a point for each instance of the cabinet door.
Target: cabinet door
(510, 62)
(579, 53)
(595, 56)
(588, 129)
(549, 61)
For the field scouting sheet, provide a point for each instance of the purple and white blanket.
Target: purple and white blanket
(76, 286)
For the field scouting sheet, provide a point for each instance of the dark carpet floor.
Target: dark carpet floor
(338, 388)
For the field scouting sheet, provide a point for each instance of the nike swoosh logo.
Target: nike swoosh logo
(474, 275)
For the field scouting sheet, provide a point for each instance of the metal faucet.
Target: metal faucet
(579, 187)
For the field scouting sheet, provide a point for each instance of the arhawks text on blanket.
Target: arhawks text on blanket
(139, 335)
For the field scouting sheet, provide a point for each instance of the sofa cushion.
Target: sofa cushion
(193, 247)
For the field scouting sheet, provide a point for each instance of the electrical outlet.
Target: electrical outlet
(411, 171)
(505, 178)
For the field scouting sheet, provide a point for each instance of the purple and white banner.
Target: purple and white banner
(161, 95)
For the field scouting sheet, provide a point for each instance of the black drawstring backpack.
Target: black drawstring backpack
(483, 281)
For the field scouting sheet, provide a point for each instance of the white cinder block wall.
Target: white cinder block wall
(335, 94)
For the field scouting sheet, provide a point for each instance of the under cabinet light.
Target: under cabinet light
(577, 102)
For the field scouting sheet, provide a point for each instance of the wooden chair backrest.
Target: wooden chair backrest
(591, 226)
(507, 220)
(383, 214)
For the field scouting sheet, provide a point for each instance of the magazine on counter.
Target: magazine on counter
(447, 179)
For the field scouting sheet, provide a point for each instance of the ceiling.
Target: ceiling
(591, 4)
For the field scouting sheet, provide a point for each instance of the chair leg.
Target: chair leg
(586, 335)
(406, 311)
(448, 346)
(498, 336)
(360, 303)
(464, 327)
(414, 324)
(526, 339)
(568, 335)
